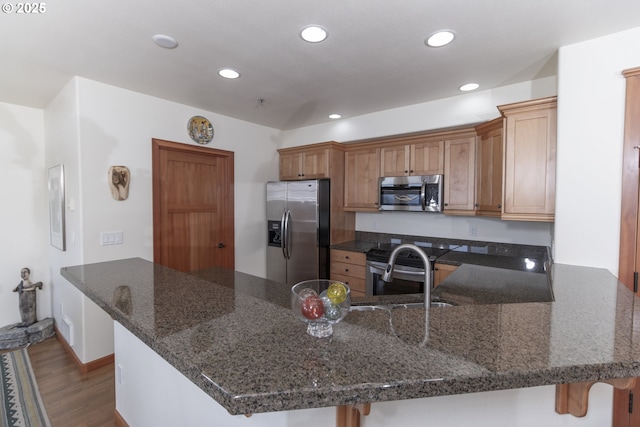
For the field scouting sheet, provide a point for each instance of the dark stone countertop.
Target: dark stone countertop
(235, 337)
(509, 256)
(478, 284)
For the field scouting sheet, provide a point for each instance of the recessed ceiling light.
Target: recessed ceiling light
(469, 86)
(228, 73)
(313, 34)
(165, 41)
(440, 38)
(334, 116)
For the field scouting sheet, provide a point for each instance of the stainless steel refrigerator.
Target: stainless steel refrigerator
(298, 230)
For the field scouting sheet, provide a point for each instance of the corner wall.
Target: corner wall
(24, 216)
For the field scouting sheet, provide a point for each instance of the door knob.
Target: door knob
(220, 245)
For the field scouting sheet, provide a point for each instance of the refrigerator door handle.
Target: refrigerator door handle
(286, 241)
(283, 234)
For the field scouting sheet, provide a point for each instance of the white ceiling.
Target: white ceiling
(374, 59)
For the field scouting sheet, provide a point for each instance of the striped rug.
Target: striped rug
(20, 400)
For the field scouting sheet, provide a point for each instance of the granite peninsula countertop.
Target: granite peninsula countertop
(235, 337)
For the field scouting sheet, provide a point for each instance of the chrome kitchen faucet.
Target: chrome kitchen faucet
(388, 276)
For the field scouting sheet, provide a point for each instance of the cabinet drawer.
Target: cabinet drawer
(356, 284)
(349, 257)
(351, 270)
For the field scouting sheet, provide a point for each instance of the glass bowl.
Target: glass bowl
(320, 304)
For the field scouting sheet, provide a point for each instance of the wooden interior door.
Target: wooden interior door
(625, 412)
(193, 207)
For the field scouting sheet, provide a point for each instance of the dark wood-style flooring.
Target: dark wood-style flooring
(70, 398)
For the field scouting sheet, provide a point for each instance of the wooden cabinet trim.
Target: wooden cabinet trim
(310, 147)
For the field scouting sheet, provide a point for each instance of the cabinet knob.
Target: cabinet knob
(346, 270)
(411, 171)
(406, 171)
(477, 205)
(446, 204)
(346, 257)
(499, 206)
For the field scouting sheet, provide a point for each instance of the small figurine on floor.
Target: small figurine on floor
(27, 295)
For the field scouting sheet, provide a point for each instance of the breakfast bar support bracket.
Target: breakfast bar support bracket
(574, 398)
(349, 415)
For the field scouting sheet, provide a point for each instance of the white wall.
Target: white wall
(461, 110)
(24, 215)
(591, 100)
(116, 127)
(456, 227)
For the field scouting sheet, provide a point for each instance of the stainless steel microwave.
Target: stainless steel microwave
(411, 193)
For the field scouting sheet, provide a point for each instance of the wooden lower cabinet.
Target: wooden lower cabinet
(441, 272)
(349, 267)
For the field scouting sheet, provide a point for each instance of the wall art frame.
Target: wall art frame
(57, 207)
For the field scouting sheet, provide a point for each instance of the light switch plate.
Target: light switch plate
(110, 238)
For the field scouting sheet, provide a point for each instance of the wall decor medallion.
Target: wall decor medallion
(200, 129)
(119, 180)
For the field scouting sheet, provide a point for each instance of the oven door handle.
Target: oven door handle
(379, 268)
(423, 196)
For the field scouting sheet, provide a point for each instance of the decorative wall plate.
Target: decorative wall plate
(200, 129)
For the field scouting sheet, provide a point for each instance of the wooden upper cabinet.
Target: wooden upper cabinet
(530, 160)
(362, 169)
(421, 158)
(300, 163)
(317, 161)
(459, 176)
(427, 158)
(394, 160)
(489, 168)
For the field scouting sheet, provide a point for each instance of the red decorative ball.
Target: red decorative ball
(312, 307)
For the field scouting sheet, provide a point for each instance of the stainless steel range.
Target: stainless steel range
(408, 275)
